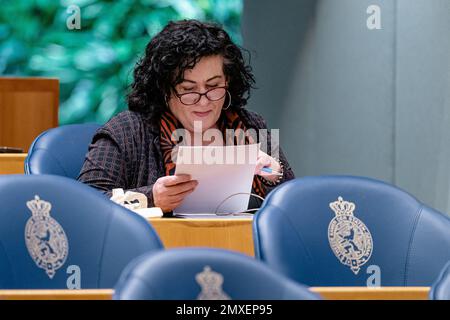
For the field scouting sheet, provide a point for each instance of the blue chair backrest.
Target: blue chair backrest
(60, 151)
(204, 274)
(304, 232)
(54, 227)
(440, 290)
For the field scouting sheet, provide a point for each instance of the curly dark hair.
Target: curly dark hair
(179, 46)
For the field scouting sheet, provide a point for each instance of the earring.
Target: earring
(229, 100)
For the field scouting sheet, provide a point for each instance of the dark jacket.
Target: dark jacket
(125, 153)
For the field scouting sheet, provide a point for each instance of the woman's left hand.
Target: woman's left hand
(264, 160)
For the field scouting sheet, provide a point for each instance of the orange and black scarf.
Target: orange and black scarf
(228, 120)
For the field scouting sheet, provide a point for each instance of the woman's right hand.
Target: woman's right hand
(170, 191)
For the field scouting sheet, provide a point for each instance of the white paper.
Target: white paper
(153, 212)
(222, 172)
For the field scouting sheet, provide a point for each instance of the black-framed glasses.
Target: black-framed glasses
(191, 98)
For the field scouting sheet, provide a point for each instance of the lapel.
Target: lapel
(155, 148)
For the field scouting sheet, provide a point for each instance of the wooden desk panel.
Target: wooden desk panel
(95, 294)
(28, 106)
(231, 234)
(328, 293)
(12, 163)
(365, 293)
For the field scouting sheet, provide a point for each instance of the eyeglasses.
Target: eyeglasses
(191, 98)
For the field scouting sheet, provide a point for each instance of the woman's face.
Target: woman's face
(206, 75)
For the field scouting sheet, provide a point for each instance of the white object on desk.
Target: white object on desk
(221, 172)
(153, 212)
(136, 202)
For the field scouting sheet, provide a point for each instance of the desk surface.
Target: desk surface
(329, 293)
(12, 163)
(232, 234)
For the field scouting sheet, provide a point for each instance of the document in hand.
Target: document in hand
(224, 173)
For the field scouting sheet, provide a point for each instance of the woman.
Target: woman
(191, 71)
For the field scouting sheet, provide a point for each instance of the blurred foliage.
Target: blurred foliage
(94, 64)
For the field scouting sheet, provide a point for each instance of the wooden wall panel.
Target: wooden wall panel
(28, 106)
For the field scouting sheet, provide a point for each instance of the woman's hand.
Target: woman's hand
(170, 191)
(264, 160)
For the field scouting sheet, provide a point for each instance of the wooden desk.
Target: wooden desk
(328, 293)
(28, 106)
(95, 294)
(365, 293)
(231, 234)
(12, 163)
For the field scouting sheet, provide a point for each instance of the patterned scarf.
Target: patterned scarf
(227, 120)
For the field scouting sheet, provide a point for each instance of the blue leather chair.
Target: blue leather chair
(60, 151)
(72, 232)
(441, 288)
(305, 233)
(205, 274)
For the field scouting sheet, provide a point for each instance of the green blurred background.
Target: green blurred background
(95, 63)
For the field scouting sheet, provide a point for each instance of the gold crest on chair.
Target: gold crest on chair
(349, 237)
(45, 239)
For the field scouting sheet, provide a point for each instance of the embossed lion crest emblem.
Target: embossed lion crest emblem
(349, 237)
(45, 239)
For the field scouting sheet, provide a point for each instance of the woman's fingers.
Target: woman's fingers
(178, 198)
(169, 181)
(263, 161)
(174, 201)
(181, 188)
(169, 191)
